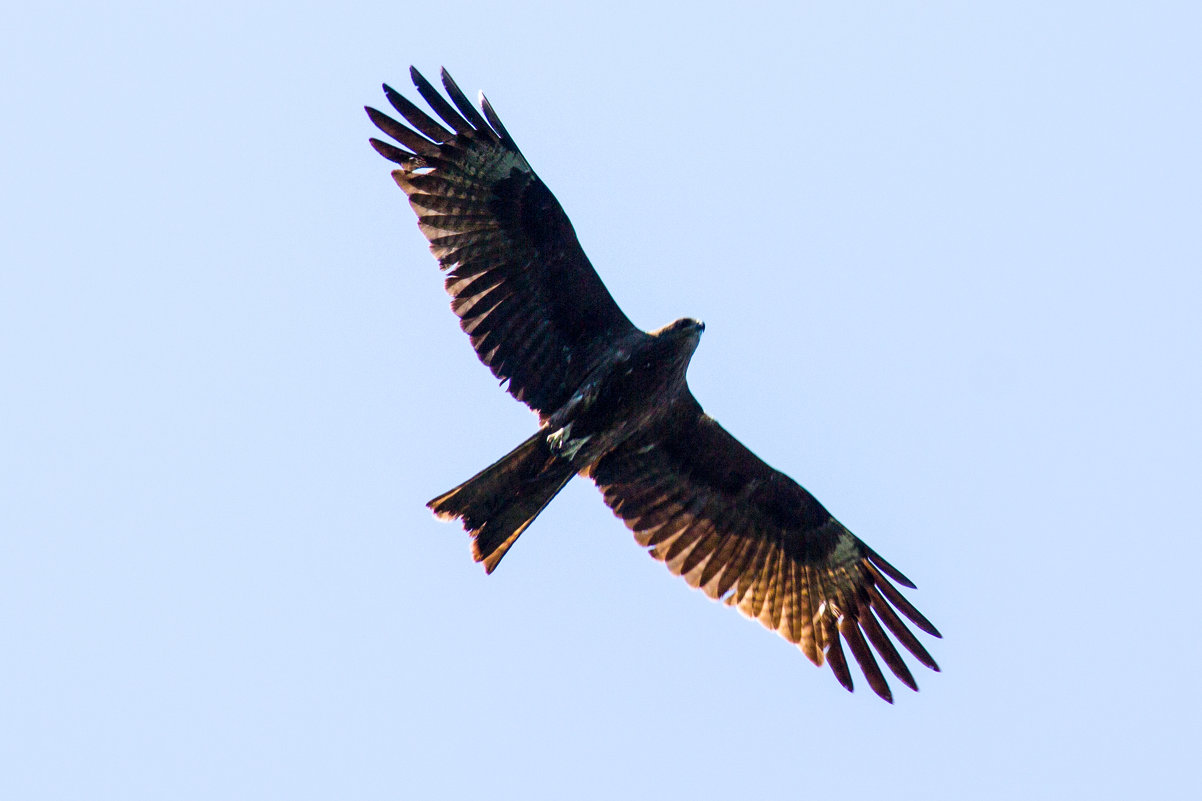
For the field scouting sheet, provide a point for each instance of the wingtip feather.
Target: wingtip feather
(889, 570)
(495, 121)
(390, 152)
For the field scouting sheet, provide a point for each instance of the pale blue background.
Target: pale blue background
(948, 255)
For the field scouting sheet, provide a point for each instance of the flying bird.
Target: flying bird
(614, 406)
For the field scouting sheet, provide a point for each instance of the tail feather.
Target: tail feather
(498, 503)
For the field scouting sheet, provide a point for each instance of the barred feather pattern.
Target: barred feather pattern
(524, 291)
(751, 537)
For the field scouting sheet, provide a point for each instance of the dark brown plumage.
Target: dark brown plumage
(614, 405)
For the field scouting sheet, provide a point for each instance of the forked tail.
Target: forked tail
(498, 503)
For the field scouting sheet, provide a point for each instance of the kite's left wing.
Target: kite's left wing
(751, 536)
(536, 311)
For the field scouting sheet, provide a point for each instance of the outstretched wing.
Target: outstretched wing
(751, 536)
(536, 311)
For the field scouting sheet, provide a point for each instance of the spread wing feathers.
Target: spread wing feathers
(750, 536)
(536, 311)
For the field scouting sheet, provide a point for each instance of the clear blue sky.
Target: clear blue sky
(949, 259)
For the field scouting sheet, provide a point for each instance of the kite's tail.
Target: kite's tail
(498, 503)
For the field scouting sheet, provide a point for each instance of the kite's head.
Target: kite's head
(684, 327)
(681, 337)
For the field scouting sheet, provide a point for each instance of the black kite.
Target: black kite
(614, 406)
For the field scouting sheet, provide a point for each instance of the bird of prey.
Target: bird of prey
(614, 406)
